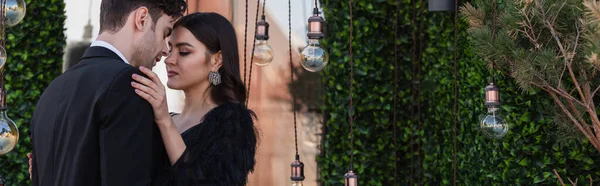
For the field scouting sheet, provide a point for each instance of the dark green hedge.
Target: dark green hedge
(35, 48)
(527, 155)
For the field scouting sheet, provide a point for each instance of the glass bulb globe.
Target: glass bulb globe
(14, 11)
(297, 183)
(9, 133)
(314, 58)
(263, 53)
(2, 57)
(493, 124)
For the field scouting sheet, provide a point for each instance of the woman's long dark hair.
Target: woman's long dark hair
(217, 34)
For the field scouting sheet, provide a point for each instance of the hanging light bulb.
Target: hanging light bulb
(14, 11)
(350, 179)
(9, 133)
(493, 124)
(315, 58)
(297, 172)
(2, 57)
(263, 54)
(440, 5)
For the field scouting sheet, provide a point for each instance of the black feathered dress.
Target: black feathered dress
(220, 151)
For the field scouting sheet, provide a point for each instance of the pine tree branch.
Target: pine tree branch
(576, 39)
(593, 13)
(595, 124)
(593, 106)
(585, 132)
(559, 9)
(586, 90)
(564, 69)
(558, 176)
(555, 37)
(574, 52)
(568, 58)
(578, 115)
(591, 109)
(596, 66)
(578, 119)
(528, 30)
(573, 183)
(550, 26)
(590, 100)
(560, 92)
(594, 93)
(570, 68)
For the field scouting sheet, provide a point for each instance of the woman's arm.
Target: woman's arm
(172, 140)
(154, 92)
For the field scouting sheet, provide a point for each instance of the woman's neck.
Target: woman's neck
(197, 101)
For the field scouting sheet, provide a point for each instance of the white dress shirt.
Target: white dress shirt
(110, 47)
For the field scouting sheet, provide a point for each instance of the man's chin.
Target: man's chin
(148, 66)
(151, 66)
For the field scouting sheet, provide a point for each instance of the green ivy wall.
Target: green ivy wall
(35, 49)
(425, 110)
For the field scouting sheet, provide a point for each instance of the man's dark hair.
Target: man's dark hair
(113, 13)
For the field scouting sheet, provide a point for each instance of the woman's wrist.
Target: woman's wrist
(164, 122)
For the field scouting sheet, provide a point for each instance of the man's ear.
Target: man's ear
(216, 61)
(142, 18)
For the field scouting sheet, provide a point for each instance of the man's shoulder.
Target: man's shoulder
(99, 69)
(103, 64)
(101, 73)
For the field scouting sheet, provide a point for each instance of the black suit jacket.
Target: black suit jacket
(90, 128)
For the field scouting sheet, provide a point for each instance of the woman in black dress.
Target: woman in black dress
(213, 140)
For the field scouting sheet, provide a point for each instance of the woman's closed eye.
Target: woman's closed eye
(183, 53)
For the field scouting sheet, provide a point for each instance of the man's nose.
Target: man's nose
(165, 51)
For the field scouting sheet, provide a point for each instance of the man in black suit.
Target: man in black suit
(89, 127)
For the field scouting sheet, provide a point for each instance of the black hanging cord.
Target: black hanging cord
(292, 75)
(245, 44)
(412, 93)
(394, 121)
(351, 82)
(494, 31)
(264, 5)
(253, 47)
(419, 79)
(316, 4)
(3, 44)
(455, 119)
(2, 25)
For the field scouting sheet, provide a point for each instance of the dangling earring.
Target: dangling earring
(214, 78)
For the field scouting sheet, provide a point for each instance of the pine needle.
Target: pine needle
(593, 59)
(475, 16)
(592, 11)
